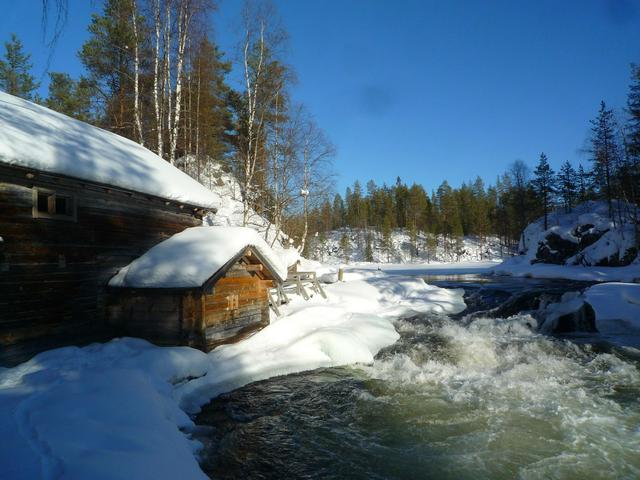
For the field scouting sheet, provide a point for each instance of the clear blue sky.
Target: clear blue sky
(428, 90)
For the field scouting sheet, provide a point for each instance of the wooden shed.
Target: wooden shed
(77, 203)
(203, 287)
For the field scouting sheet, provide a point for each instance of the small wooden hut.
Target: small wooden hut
(203, 287)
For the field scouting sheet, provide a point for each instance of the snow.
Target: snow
(191, 257)
(35, 137)
(617, 307)
(119, 410)
(520, 267)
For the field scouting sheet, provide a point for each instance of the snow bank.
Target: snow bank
(617, 307)
(116, 410)
(191, 257)
(35, 137)
(520, 267)
(101, 412)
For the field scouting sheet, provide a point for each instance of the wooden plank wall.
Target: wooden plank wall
(224, 324)
(53, 272)
(162, 317)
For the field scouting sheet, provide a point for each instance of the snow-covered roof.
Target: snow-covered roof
(189, 258)
(35, 137)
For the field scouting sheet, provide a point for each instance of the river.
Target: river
(452, 399)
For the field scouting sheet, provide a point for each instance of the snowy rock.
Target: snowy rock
(571, 314)
(584, 244)
(586, 236)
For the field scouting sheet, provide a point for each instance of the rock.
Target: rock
(555, 250)
(581, 320)
(590, 236)
(523, 302)
(570, 314)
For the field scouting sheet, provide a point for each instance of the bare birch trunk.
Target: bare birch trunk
(156, 73)
(136, 79)
(251, 154)
(183, 28)
(167, 66)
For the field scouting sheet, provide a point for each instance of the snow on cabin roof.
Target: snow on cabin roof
(35, 137)
(189, 258)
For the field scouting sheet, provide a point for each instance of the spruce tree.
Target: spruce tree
(368, 250)
(567, 177)
(583, 184)
(544, 185)
(15, 78)
(345, 246)
(604, 154)
(633, 108)
(69, 97)
(107, 55)
(387, 238)
(632, 142)
(413, 240)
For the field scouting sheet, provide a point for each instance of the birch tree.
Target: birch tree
(317, 176)
(136, 70)
(261, 39)
(185, 13)
(157, 49)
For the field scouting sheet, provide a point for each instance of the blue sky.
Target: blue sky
(427, 90)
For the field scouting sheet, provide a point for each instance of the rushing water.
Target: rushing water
(451, 399)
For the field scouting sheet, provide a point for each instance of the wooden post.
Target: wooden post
(341, 274)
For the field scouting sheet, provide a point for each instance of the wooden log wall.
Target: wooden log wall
(54, 272)
(237, 306)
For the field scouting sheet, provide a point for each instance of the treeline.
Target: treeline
(154, 74)
(519, 196)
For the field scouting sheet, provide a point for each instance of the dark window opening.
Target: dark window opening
(49, 204)
(62, 206)
(43, 202)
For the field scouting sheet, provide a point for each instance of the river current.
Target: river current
(452, 399)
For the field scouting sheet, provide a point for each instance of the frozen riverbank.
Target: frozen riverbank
(119, 410)
(520, 267)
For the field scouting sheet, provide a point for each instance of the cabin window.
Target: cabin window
(232, 302)
(53, 204)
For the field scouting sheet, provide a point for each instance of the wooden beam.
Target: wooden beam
(253, 267)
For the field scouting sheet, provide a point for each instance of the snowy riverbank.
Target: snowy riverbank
(120, 409)
(520, 267)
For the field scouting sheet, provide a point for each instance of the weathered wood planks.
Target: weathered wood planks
(53, 273)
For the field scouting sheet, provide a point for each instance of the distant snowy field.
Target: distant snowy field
(120, 410)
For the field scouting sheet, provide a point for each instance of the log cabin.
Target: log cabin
(202, 287)
(77, 203)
